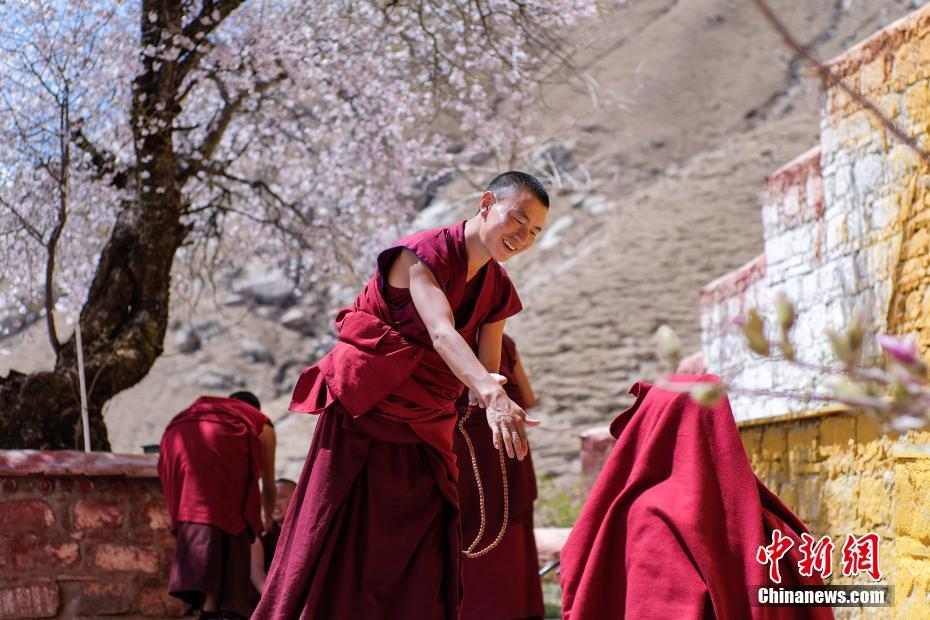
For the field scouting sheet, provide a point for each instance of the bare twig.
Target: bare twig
(837, 81)
(211, 15)
(26, 224)
(864, 402)
(220, 123)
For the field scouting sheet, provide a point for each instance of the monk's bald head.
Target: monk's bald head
(247, 397)
(512, 213)
(514, 182)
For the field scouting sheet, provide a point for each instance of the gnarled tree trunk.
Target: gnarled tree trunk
(124, 318)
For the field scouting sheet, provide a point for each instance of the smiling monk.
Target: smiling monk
(373, 529)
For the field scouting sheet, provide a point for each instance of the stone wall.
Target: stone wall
(842, 476)
(83, 535)
(846, 225)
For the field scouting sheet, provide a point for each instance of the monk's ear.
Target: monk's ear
(487, 199)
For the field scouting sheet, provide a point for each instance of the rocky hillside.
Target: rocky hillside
(655, 146)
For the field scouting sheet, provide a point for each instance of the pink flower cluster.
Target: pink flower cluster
(305, 128)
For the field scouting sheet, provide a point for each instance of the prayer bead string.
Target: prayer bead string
(470, 552)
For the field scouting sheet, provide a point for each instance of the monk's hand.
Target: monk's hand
(508, 425)
(474, 399)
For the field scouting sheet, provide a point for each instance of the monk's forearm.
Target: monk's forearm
(461, 360)
(433, 307)
(257, 578)
(257, 565)
(489, 345)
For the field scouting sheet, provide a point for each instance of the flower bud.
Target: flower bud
(754, 330)
(707, 394)
(787, 349)
(669, 345)
(902, 349)
(899, 393)
(785, 312)
(844, 388)
(842, 348)
(856, 331)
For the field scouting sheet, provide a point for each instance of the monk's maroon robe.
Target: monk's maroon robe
(503, 584)
(209, 464)
(673, 524)
(373, 530)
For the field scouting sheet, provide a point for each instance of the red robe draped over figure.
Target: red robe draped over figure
(674, 521)
(373, 528)
(503, 584)
(209, 464)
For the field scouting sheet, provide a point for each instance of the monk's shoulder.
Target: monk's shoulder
(435, 248)
(503, 283)
(435, 241)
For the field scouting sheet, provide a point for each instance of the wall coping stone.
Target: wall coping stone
(795, 416)
(808, 158)
(885, 40)
(75, 463)
(733, 283)
(907, 451)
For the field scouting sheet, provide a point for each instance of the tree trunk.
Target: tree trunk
(124, 318)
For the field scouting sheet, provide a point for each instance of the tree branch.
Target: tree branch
(261, 187)
(198, 29)
(64, 142)
(834, 80)
(32, 230)
(220, 123)
(104, 162)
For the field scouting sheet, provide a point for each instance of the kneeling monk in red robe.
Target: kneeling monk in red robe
(373, 529)
(210, 460)
(503, 584)
(673, 524)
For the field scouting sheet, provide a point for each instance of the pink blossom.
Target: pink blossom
(338, 124)
(902, 349)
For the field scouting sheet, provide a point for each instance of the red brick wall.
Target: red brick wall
(83, 535)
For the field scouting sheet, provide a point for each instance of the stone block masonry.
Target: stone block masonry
(83, 535)
(846, 224)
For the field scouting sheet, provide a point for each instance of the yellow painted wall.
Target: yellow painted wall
(835, 467)
(841, 475)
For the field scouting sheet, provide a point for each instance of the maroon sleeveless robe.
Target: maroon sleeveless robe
(373, 528)
(209, 464)
(504, 584)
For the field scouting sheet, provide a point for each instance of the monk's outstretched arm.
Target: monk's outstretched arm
(505, 417)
